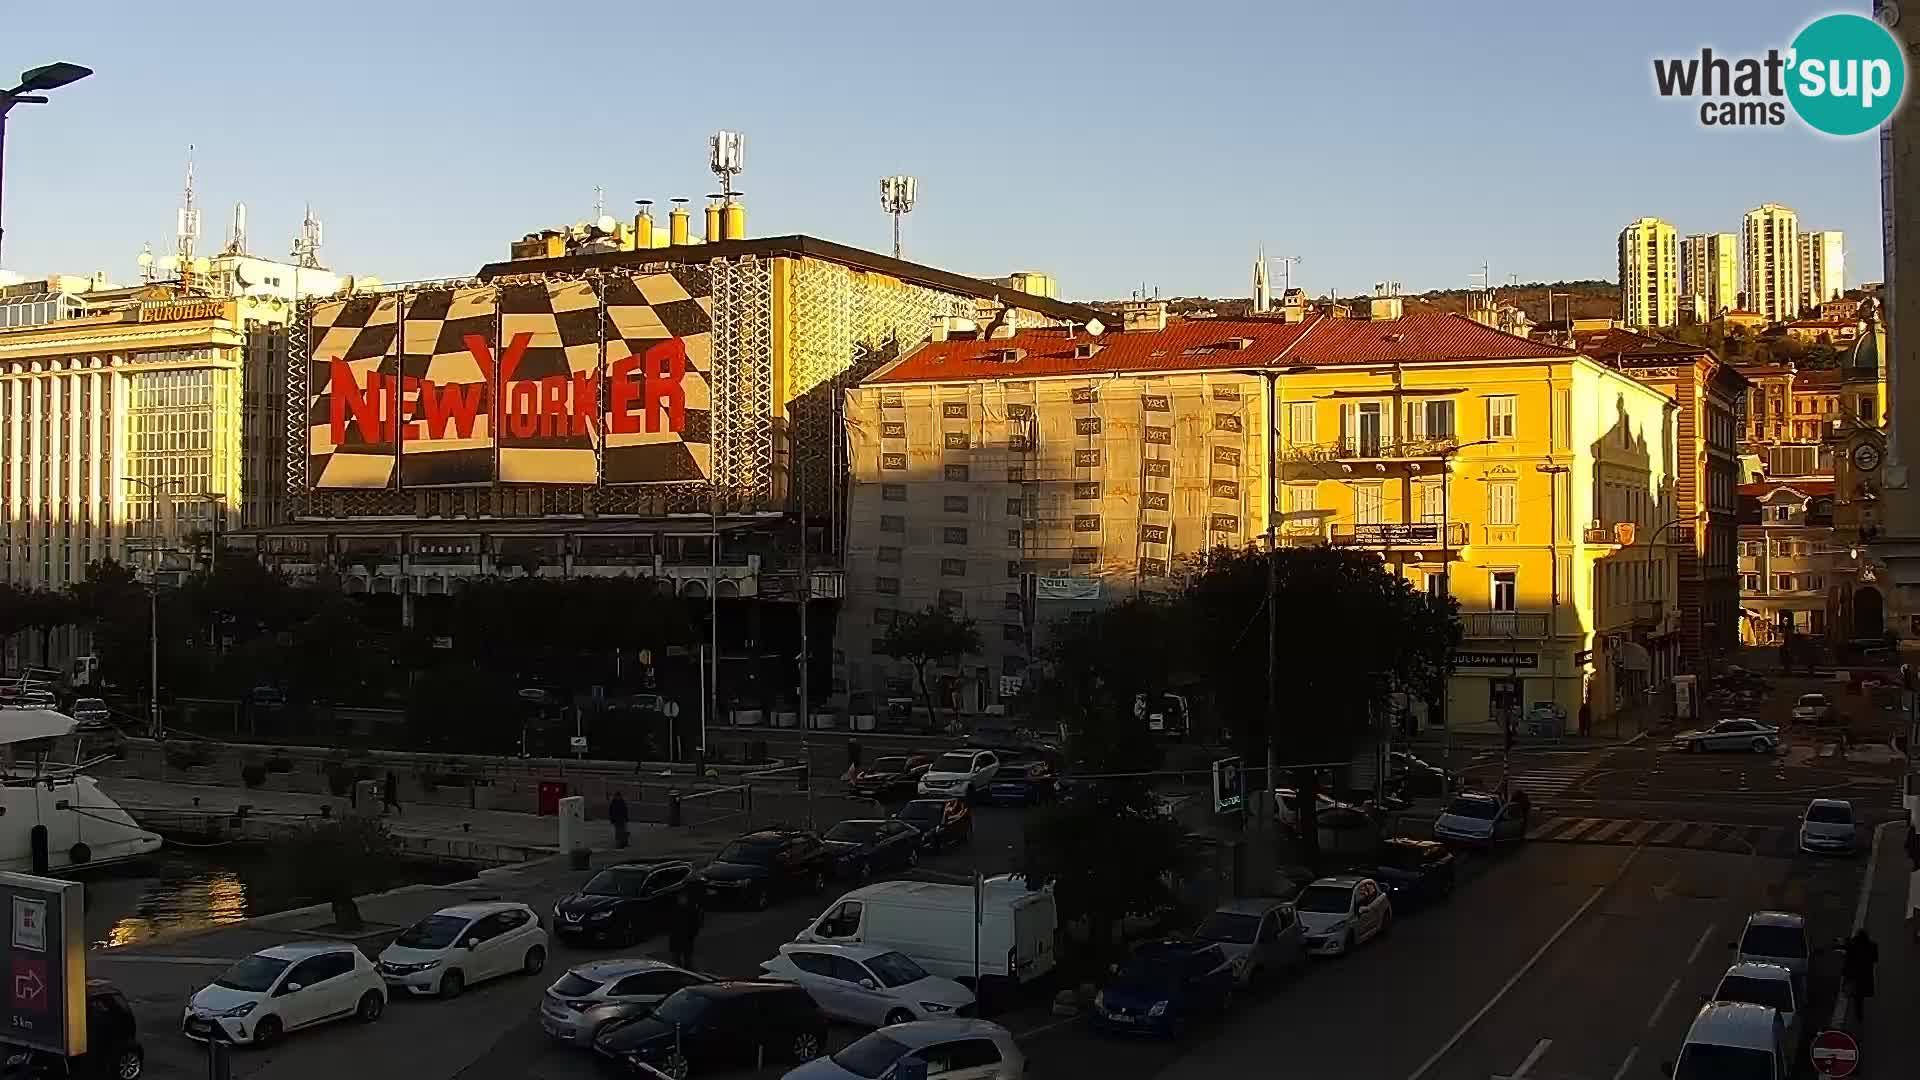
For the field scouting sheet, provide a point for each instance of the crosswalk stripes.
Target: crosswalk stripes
(1546, 781)
(1699, 835)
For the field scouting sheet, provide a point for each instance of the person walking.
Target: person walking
(390, 793)
(1856, 971)
(683, 929)
(617, 814)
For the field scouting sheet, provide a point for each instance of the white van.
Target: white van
(1733, 1042)
(933, 924)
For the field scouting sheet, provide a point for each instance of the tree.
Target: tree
(336, 860)
(923, 637)
(46, 610)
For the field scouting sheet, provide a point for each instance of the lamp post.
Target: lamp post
(1446, 559)
(155, 729)
(46, 77)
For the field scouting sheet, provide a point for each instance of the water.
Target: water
(181, 889)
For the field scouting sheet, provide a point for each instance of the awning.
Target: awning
(1632, 656)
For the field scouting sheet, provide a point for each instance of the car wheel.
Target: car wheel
(1697, 746)
(130, 1064)
(1761, 746)
(898, 1016)
(372, 1004)
(676, 1067)
(451, 984)
(536, 959)
(806, 1046)
(267, 1031)
(1386, 924)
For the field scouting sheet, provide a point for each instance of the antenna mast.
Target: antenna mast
(306, 246)
(188, 229)
(897, 194)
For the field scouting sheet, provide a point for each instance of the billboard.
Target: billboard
(554, 382)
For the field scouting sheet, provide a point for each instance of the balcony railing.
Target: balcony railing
(1504, 624)
(1414, 534)
(1374, 448)
(1649, 612)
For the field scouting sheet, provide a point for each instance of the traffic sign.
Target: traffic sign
(46, 977)
(1835, 1053)
(670, 709)
(1229, 788)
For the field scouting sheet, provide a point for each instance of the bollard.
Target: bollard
(326, 810)
(673, 809)
(38, 840)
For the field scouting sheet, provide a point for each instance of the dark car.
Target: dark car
(1415, 778)
(1165, 986)
(890, 777)
(943, 823)
(718, 1026)
(860, 847)
(1023, 782)
(113, 1044)
(1414, 872)
(622, 904)
(755, 868)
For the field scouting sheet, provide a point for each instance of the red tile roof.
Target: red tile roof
(1214, 344)
(1623, 345)
(1808, 486)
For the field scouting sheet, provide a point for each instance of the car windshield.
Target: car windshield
(1830, 815)
(954, 763)
(923, 811)
(1484, 809)
(1774, 993)
(615, 883)
(855, 832)
(255, 974)
(89, 703)
(888, 765)
(682, 1007)
(1228, 927)
(743, 851)
(1812, 699)
(895, 969)
(1704, 1061)
(432, 932)
(1155, 968)
(1324, 899)
(574, 984)
(1784, 941)
(871, 1056)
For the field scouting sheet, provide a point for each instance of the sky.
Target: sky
(1117, 145)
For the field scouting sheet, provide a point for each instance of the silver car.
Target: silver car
(592, 997)
(1828, 827)
(1260, 935)
(1736, 734)
(958, 1049)
(1764, 984)
(1775, 937)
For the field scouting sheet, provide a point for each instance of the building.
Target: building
(1262, 290)
(1710, 271)
(1770, 248)
(1787, 414)
(1824, 331)
(1898, 543)
(1649, 274)
(1097, 463)
(1788, 559)
(1823, 267)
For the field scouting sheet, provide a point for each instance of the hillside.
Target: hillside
(1587, 299)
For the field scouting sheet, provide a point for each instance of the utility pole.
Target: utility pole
(806, 718)
(1273, 589)
(1553, 472)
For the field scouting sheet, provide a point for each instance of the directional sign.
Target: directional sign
(1835, 1053)
(46, 976)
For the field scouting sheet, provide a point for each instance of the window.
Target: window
(893, 492)
(1782, 513)
(1013, 538)
(887, 554)
(953, 567)
(1013, 633)
(1430, 419)
(961, 1054)
(1500, 416)
(887, 586)
(1300, 422)
(1015, 507)
(1369, 504)
(1502, 499)
(1783, 582)
(1503, 590)
(1300, 498)
(954, 504)
(893, 523)
(951, 600)
(956, 473)
(1016, 474)
(953, 536)
(1437, 585)
(1432, 502)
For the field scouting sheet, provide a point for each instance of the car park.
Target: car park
(1338, 913)
(1775, 937)
(865, 984)
(1738, 733)
(1730, 1039)
(1260, 935)
(1164, 986)
(1829, 828)
(955, 1049)
(589, 999)
(961, 774)
(859, 847)
(283, 989)
(716, 1026)
(890, 777)
(1413, 872)
(1477, 819)
(624, 903)
(461, 946)
(943, 823)
(113, 1049)
(1770, 985)
(754, 869)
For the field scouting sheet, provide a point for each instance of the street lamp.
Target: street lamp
(153, 488)
(32, 82)
(1446, 560)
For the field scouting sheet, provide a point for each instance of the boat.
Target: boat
(85, 827)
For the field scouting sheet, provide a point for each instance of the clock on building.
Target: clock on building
(1866, 457)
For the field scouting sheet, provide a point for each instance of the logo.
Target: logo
(1842, 75)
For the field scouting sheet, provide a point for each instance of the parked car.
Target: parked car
(1023, 782)
(591, 998)
(890, 777)
(1730, 1039)
(282, 989)
(754, 868)
(1287, 806)
(92, 714)
(113, 1044)
(939, 925)
(943, 823)
(867, 984)
(1477, 819)
(1775, 937)
(960, 773)
(459, 946)
(1416, 778)
(624, 903)
(1338, 913)
(1260, 936)
(716, 1026)
(959, 1049)
(1414, 872)
(1829, 827)
(1770, 985)
(1813, 709)
(1739, 733)
(1164, 986)
(859, 847)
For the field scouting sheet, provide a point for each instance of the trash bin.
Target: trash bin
(551, 792)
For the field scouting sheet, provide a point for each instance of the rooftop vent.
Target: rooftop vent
(1239, 344)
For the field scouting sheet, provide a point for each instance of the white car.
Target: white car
(948, 1049)
(1812, 709)
(1337, 913)
(1771, 985)
(456, 947)
(867, 985)
(962, 774)
(1828, 827)
(283, 989)
(1776, 937)
(1736, 734)
(1477, 819)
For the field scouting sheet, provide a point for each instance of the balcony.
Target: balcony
(1374, 448)
(1417, 534)
(1504, 624)
(1649, 613)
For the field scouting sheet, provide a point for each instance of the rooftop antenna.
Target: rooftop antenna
(1287, 263)
(237, 234)
(145, 260)
(306, 246)
(599, 202)
(897, 195)
(188, 230)
(727, 151)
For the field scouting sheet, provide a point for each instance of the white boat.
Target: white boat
(85, 827)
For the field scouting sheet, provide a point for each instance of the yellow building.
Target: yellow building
(1649, 274)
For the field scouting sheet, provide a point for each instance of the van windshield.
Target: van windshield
(1704, 1061)
(1830, 815)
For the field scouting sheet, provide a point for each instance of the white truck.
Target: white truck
(934, 924)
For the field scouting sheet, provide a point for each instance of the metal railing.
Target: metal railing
(1504, 624)
(1374, 448)
(1401, 534)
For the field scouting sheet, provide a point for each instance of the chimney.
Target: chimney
(1385, 303)
(1143, 315)
(677, 224)
(733, 220)
(643, 225)
(713, 218)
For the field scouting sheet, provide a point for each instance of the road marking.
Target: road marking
(1626, 1063)
(1639, 832)
(1612, 827)
(1672, 988)
(1533, 1055)
(110, 956)
(1579, 827)
(1545, 827)
(1701, 944)
(1514, 979)
(1667, 834)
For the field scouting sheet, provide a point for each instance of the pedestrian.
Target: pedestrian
(390, 793)
(1856, 970)
(683, 929)
(617, 814)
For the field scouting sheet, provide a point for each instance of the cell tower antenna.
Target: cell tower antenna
(237, 233)
(728, 159)
(1287, 263)
(599, 202)
(188, 230)
(897, 196)
(306, 246)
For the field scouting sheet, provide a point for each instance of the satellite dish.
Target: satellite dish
(606, 223)
(201, 264)
(145, 260)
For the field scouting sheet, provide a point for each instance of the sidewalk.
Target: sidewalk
(1889, 1040)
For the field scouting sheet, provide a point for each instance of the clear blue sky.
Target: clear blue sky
(1111, 144)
